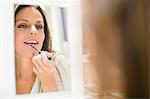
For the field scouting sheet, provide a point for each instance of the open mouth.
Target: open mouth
(31, 42)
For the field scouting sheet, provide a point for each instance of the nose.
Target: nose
(33, 30)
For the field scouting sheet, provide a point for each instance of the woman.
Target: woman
(34, 71)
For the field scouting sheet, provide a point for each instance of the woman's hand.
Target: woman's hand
(44, 69)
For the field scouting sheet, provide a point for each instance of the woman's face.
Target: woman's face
(29, 30)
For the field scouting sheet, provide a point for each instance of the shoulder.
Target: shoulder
(59, 57)
(62, 68)
(61, 62)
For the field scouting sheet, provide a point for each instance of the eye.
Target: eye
(39, 26)
(23, 25)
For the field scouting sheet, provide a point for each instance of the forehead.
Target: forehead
(29, 13)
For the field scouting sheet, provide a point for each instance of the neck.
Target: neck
(24, 68)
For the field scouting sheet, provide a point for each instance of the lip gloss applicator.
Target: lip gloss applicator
(48, 55)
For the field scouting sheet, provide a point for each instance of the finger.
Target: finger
(51, 66)
(35, 71)
(39, 60)
(44, 58)
(41, 65)
(49, 63)
(36, 65)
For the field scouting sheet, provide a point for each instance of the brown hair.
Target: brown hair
(47, 44)
(116, 41)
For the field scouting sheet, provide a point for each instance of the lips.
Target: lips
(31, 42)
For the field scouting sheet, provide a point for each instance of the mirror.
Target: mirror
(42, 60)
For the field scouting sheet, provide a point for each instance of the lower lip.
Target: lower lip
(32, 50)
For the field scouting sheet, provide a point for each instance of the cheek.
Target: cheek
(17, 38)
(18, 41)
(42, 37)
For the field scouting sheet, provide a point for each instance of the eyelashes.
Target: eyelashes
(26, 26)
(22, 26)
(39, 26)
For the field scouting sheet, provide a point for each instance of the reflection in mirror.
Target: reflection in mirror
(41, 49)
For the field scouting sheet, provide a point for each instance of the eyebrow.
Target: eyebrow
(21, 20)
(40, 21)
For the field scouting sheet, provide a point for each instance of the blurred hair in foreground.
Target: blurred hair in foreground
(116, 45)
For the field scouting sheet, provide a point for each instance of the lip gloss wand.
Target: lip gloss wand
(48, 55)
